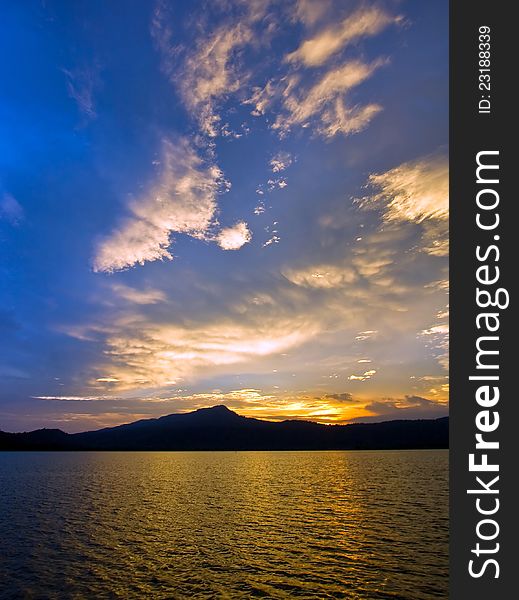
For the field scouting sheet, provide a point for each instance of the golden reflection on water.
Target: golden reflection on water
(359, 525)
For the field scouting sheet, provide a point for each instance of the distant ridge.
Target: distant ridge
(219, 428)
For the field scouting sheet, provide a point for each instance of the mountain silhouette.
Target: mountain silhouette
(219, 428)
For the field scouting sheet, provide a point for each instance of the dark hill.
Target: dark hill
(219, 428)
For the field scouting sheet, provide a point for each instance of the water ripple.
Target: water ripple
(354, 525)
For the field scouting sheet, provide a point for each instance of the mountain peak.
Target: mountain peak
(220, 408)
(217, 412)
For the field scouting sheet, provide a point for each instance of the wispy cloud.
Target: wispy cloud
(364, 22)
(150, 354)
(416, 192)
(285, 327)
(261, 98)
(438, 341)
(310, 12)
(322, 276)
(211, 71)
(347, 304)
(10, 209)
(323, 105)
(137, 296)
(75, 398)
(365, 335)
(183, 200)
(320, 102)
(81, 86)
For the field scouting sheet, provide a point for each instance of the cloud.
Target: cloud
(183, 200)
(365, 335)
(364, 22)
(323, 104)
(261, 98)
(312, 309)
(81, 86)
(146, 296)
(233, 238)
(10, 209)
(272, 184)
(216, 326)
(436, 330)
(435, 238)
(321, 276)
(211, 71)
(439, 336)
(109, 410)
(272, 405)
(409, 407)
(135, 242)
(262, 404)
(144, 353)
(364, 377)
(280, 161)
(371, 280)
(441, 284)
(342, 119)
(74, 398)
(344, 397)
(415, 191)
(310, 12)
(370, 262)
(275, 239)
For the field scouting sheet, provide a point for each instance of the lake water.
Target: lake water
(359, 525)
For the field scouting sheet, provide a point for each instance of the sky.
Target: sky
(239, 202)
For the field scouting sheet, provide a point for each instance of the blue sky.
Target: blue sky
(223, 202)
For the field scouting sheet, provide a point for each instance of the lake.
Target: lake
(359, 525)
